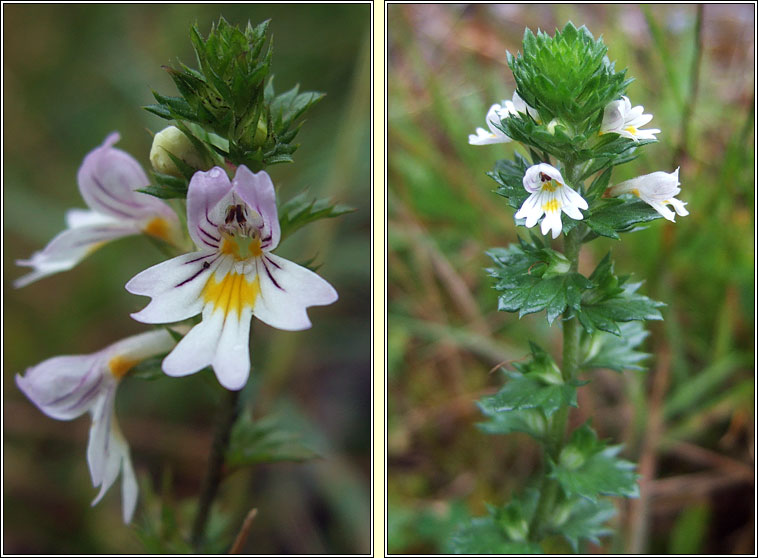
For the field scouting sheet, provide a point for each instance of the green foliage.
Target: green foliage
(232, 95)
(509, 175)
(567, 77)
(612, 300)
(264, 441)
(533, 277)
(537, 385)
(588, 468)
(504, 531)
(617, 352)
(300, 210)
(578, 519)
(609, 217)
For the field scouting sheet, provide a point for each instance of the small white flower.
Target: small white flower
(66, 387)
(549, 196)
(620, 118)
(108, 180)
(495, 115)
(232, 277)
(656, 189)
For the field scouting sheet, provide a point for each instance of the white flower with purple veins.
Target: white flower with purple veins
(495, 115)
(232, 277)
(656, 189)
(66, 387)
(549, 196)
(108, 180)
(620, 118)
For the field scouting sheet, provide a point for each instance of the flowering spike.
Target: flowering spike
(656, 189)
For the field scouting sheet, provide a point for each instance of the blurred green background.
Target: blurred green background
(74, 73)
(689, 420)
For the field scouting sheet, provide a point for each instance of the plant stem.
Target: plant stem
(556, 436)
(227, 416)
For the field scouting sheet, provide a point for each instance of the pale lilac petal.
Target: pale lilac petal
(113, 455)
(129, 488)
(99, 435)
(287, 289)
(140, 347)
(108, 179)
(532, 180)
(64, 387)
(232, 361)
(205, 191)
(572, 197)
(198, 348)
(175, 287)
(257, 191)
(70, 247)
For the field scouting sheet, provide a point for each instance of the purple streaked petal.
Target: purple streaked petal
(282, 304)
(62, 387)
(205, 191)
(257, 191)
(108, 180)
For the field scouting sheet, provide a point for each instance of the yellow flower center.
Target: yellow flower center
(635, 191)
(120, 365)
(551, 206)
(232, 294)
(158, 227)
(551, 185)
(241, 247)
(632, 130)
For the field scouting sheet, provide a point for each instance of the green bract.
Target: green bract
(232, 95)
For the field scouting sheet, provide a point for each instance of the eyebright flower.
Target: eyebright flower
(656, 189)
(232, 277)
(549, 196)
(495, 115)
(66, 387)
(107, 180)
(620, 118)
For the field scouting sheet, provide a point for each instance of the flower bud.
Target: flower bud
(172, 140)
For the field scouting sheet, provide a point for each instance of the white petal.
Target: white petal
(287, 289)
(663, 210)
(64, 387)
(198, 348)
(70, 247)
(232, 361)
(554, 220)
(175, 287)
(679, 207)
(573, 198)
(483, 137)
(532, 180)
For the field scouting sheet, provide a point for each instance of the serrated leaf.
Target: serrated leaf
(301, 210)
(580, 519)
(482, 535)
(264, 441)
(615, 215)
(603, 350)
(510, 176)
(526, 392)
(533, 278)
(528, 421)
(588, 468)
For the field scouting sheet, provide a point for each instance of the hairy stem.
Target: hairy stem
(227, 416)
(556, 436)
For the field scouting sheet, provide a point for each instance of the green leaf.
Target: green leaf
(603, 350)
(613, 216)
(482, 535)
(523, 392)
(510, 176)
(533, 277)
(580, 519)
(264, 441)
(588, 468)
(300, 210)
(528, 421)
(613, 300)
